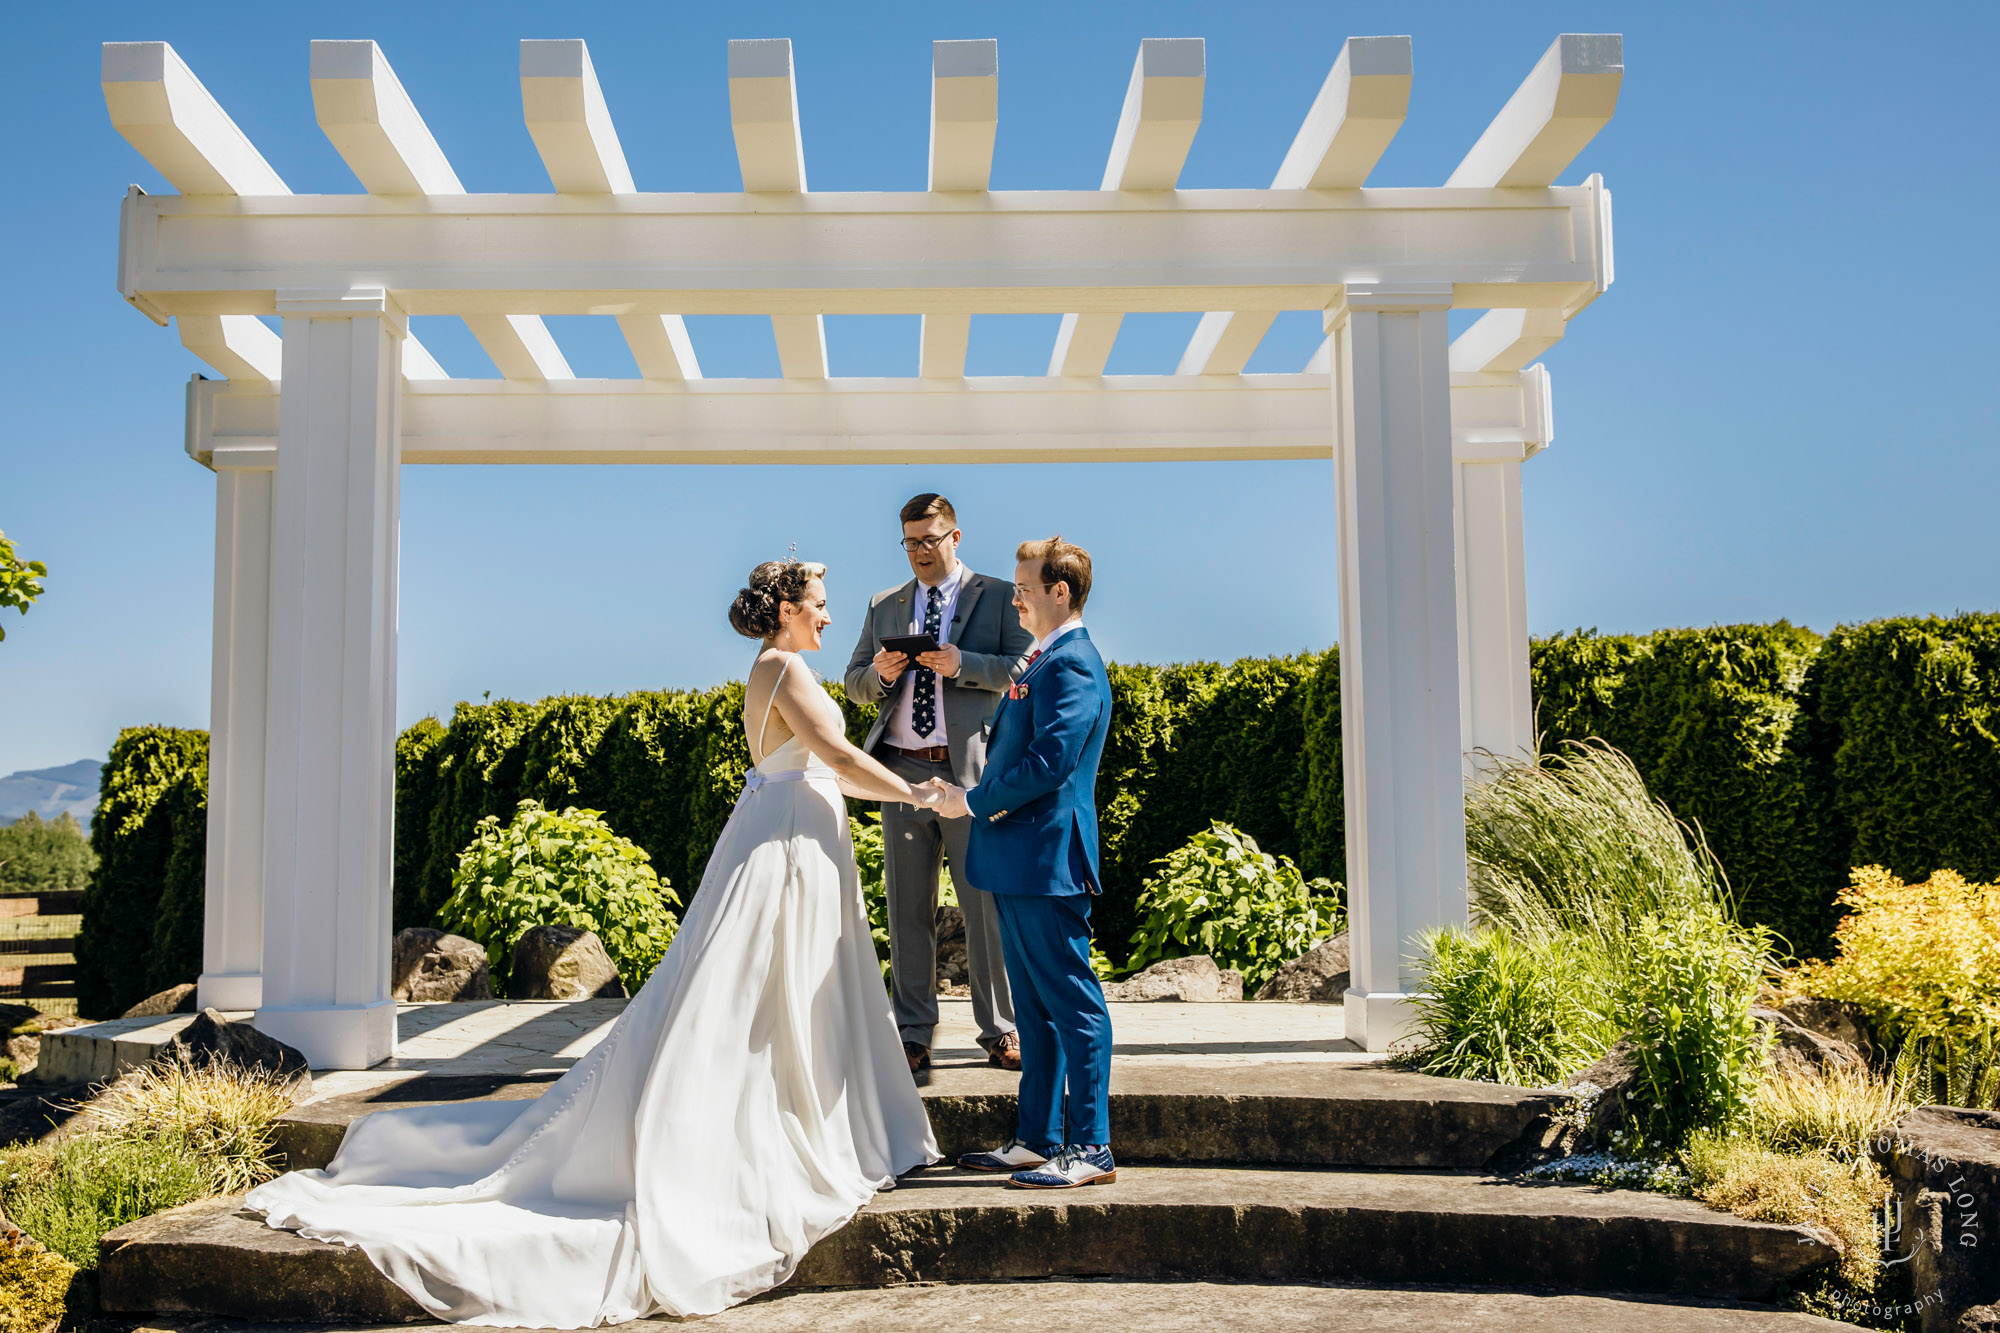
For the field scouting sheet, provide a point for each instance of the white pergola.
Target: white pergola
(1425, 436)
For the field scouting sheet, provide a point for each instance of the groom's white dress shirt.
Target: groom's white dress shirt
(1067, 627)
(902, 731)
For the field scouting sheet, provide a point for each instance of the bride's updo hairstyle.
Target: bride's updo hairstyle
(754, 613)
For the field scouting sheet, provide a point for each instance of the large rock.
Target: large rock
(1944, 1165)
(428, 964)
(1195, 977)
(1797, 1047)
(952, 970)
(562, 963)
(1598, 1096)
(173, 1000)
(213, 1039)
(1834, 1019)
(1318, 975)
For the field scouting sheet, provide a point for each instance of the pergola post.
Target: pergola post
(1399, 664)
(1494, 696)
(232, 949)
(330, 755)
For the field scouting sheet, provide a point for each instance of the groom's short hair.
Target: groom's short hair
(1062, 562)
(921, 507)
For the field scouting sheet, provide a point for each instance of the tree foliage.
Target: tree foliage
(20, 580)
(44, 855)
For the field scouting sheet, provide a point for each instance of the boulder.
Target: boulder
(952, 970)
(1834, 1019)
(1944, 1166)
(563, 963)
(1317, 975)
(1796, 1047)
(213, 1039)
(173, 1000)
(428, 964)
(13, 1015)
(1596, 1107)
(1195, 977)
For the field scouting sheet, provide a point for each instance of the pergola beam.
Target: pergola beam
(980, 420)
(240, 346)
(965, 118)
(764, 116)
(1506, 340)
(365, 113)
(1156, 127)
(1360, 107)
(163, 110)
(1566, 99)
(571, 125)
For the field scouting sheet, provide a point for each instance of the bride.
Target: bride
(749, 1100)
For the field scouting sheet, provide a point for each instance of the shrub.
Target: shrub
(175, 954)
(1735, 1173)
(134, 834)
(1923, 959)
(1224, 896)
(1837, 1110)
(568, 869)
(867, 835)
(34, 1287)
(1684, 996)
(44, 855)
(1521, 1010)
(1577, 844)
(419, 754)
(68, 1193)
(220, 1114)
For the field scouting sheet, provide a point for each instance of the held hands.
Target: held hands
(949, 802)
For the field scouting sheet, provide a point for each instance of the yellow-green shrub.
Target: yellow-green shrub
(1921, 958)
(1742, 1176)
(34, 1284)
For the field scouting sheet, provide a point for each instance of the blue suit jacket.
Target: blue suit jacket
(1034, 827)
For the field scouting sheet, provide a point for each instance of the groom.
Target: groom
(1034, 848)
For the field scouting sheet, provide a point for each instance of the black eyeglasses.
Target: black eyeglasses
(927, 543)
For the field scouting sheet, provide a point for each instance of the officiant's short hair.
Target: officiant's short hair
(1062, 562)
(921, 507)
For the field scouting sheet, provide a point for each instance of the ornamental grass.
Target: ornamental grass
(217, 1112)
(1836, 1111)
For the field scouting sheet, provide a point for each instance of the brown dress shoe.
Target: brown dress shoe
(918, 1056)
(1006, 1052)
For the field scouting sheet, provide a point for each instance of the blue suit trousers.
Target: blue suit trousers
(1064, 1026)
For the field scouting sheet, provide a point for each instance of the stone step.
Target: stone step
(1185, 1307)
(1272, 1114)
(1186, 1223)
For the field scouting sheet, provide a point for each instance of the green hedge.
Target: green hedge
(1796, 756)
(149, 834)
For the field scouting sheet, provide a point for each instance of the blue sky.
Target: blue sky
(1783, 408)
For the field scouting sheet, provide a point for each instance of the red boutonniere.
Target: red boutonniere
(1017, 691)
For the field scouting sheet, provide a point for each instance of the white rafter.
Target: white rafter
(365, 113)
(965, 116)
(571, 126)
(163, 110)
(1506, 340)
(1358, 111)
(764, 115)
(1566, 99)
(240, 346)
(1156, 127)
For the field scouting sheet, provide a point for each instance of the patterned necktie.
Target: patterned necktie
(923, 696)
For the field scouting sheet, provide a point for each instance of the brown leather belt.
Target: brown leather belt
(936, 754)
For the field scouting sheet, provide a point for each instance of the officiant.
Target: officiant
(935, 707)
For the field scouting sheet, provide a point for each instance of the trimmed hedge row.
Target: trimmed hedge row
(1796, 756)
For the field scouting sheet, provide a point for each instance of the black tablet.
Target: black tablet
(911, 644)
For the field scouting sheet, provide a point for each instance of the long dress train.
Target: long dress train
(749, 1100)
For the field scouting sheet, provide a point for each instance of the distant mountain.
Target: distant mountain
(51, 791)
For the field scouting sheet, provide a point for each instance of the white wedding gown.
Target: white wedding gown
(750, 1099)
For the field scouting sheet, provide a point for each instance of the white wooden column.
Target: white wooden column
(329, 772)
(1494, 695)
(1399, 662)
(232, 941)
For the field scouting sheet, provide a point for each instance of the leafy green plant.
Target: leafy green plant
(44, 855)
(1955, 1068)
(67, 1194)
(867, 837)
(1684, 998)
(568, 869)
(1520, 1010)
(20, 580)
(1222, 895)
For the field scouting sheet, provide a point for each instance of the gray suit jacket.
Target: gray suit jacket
(991, 645)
